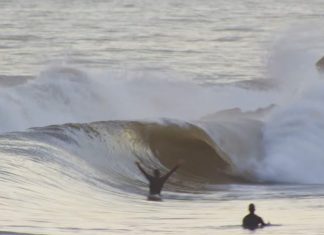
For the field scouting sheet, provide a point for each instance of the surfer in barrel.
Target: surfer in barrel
(156, 181)
(252, 221)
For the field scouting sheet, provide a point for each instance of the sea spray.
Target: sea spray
(64, 94)
(293, 133)
(293, 140)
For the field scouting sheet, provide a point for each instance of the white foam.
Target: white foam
(293, 135)
(64, 94)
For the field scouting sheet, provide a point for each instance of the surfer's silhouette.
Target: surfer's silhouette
(252, 221)
(157, 181)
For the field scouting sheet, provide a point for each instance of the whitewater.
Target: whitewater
(87, 88)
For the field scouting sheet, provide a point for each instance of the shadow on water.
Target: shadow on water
(17, 233)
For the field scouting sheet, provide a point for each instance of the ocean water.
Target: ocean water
(87, 88)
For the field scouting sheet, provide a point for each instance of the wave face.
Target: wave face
(105, 152)
(156, 144)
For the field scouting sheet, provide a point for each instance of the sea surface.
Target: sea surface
(89, 87)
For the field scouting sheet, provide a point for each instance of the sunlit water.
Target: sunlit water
(172, 66)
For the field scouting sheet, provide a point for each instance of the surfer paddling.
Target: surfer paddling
(252, 221)
(156, 181)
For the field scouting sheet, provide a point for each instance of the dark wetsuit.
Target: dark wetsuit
(156, 183)
(252, 221)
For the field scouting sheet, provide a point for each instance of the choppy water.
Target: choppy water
(89, 87)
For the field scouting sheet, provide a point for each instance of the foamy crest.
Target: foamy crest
(64, 94)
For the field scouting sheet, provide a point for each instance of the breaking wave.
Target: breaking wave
(110, 149)
(247, 132)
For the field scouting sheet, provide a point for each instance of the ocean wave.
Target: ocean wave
(105, 152)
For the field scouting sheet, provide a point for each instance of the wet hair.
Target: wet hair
(251, 208)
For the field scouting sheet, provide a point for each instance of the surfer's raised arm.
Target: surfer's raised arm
(156, 181)
(143, 171)
(165, 177)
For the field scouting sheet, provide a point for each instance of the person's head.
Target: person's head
(251, 208)
(156, 173)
